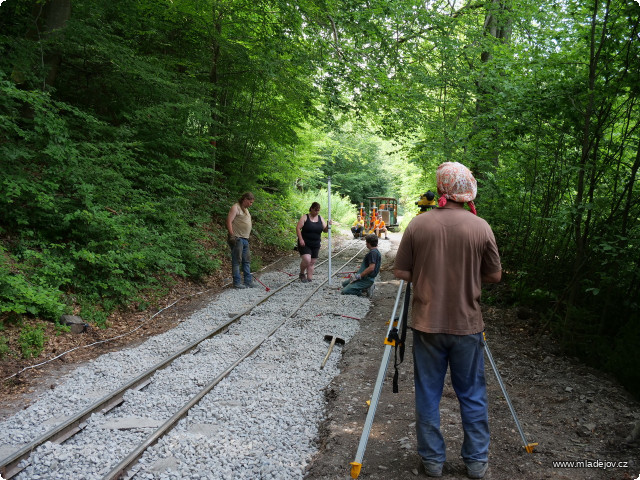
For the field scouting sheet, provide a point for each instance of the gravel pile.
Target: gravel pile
(261, 421)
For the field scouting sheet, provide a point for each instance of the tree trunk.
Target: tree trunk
(585, 154)
(216, 120)
(630, 196)
(48, 19)
(498, 25)
(58, 12)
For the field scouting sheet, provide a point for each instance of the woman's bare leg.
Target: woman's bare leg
(305, 260)
(311, 268)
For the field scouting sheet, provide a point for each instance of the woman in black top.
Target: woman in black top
(309, 229)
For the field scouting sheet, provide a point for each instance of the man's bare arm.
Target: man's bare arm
(492, 277)
(402, 274)
(368, 270)
(232, 214)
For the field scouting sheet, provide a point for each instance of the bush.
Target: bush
(31, 341)
(86, 213)
(22, 291)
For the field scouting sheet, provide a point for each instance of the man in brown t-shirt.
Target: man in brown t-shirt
(447, 253)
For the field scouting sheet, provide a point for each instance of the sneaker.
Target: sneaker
(251, 285)
(370, 291)
(238, 286)
(432, 469)
(303, 278)
(477, 469)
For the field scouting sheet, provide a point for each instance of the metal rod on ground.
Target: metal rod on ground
(356, 465)
(265, 287)
(329, 226)
(527, 446)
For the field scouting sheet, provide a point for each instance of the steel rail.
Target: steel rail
(9, 466)
(121, 470)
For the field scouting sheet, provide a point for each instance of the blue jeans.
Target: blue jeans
(240, 255)
(464, 354)
(356, 287)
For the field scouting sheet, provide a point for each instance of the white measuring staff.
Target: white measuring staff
(356, 465)
(329, 226)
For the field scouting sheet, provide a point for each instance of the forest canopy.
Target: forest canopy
(128, 128)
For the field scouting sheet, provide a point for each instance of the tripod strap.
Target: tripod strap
(400, 339)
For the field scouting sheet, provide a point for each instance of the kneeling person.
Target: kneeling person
(368, 271)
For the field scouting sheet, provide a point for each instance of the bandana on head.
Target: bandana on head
(456, 182)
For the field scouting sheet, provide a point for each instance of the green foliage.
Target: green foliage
(273, 223)
(128, 141)
(543, 108)
(61, 329)
(4, 347)
(31, 341)
(94, 311)
(91, 227)
(353, 161)
(24, 291)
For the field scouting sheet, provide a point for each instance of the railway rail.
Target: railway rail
(259, 349)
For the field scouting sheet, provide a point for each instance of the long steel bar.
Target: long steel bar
(329, 225)
(356, 465)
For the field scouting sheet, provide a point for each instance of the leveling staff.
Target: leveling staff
(447, 253)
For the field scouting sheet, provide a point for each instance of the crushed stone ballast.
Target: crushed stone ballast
(260, 420)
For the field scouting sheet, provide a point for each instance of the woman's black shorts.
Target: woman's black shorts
(308, 251)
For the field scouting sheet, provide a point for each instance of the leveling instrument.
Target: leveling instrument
(527, 446)
(394, 322)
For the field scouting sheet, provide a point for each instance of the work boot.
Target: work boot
(238, 286)
(432, 469)
(303, 278)
(251, 285)
(477, 469)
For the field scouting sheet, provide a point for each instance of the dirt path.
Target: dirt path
(573, 412)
